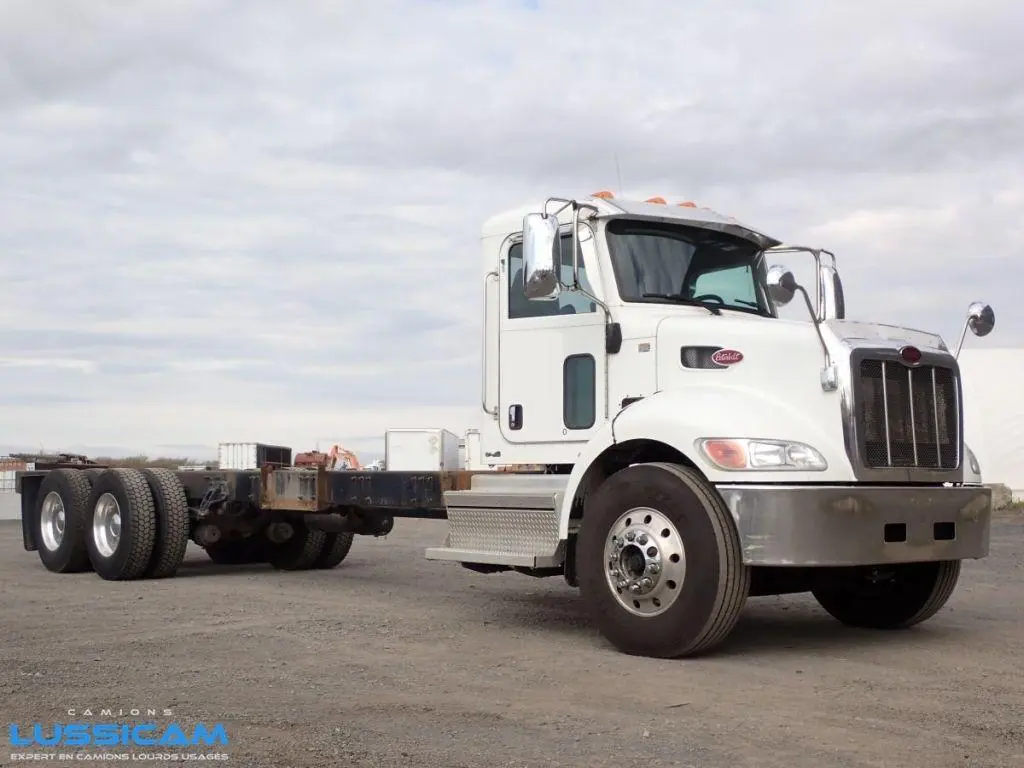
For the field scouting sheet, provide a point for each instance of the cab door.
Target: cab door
(551, 356)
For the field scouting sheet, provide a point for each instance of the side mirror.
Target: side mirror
(981, 319)
(781, 285)
(541, 257)
(833, 299)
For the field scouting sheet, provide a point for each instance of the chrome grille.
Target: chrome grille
(908, 417)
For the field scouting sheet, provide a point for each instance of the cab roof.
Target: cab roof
(511, 220)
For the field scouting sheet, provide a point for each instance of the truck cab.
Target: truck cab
(636, 351)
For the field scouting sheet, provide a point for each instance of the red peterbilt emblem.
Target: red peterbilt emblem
(910, 355)
(727, 357)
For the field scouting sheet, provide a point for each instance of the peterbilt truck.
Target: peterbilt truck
(667, 443)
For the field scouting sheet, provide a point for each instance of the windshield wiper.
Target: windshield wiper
(677, 299)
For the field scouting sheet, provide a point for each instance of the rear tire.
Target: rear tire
(301, 551)
(253, 549)
(890, 597)
(120, 525)
(171, 504)
(335, 549)
(674, 542)
(60, 521)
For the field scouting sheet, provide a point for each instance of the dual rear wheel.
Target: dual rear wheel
(121, 523)
(128, 524)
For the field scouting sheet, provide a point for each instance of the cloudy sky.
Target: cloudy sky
(258, 220)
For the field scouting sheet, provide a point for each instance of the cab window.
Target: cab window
(568, 303)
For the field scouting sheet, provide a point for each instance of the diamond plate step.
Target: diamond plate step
(505, 520)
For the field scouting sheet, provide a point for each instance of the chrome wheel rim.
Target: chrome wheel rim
(52, 521)
(106, 525)
(645, 562)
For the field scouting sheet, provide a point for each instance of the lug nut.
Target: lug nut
(641, 539)
(647, 583)
(630, 535)
(653, 568)
(634, 588)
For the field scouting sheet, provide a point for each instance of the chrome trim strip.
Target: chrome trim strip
(935, 413)
(885, 409)
(913, 422)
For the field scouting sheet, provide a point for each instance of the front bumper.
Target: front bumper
(859, 525)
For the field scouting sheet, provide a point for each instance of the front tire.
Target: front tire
(120, 525)
(659, 562)
(890, 597)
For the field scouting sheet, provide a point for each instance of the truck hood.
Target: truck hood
(767, 355)
(853, 333)
(769, 372)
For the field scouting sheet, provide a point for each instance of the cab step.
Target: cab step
(505, 519)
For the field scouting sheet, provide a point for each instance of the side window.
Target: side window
(579, 391)
(569, 302)
(733, 284)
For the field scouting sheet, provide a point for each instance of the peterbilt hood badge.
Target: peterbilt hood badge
(727, 357)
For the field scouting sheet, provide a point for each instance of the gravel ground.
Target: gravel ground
(394, 660)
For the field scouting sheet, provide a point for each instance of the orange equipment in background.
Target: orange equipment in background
(347, 459)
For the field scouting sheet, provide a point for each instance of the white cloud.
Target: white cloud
(232, 221)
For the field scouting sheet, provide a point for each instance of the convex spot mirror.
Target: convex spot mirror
(981, 318)
(781, 284)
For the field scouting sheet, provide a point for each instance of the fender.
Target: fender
(972, 468)
(679, 417)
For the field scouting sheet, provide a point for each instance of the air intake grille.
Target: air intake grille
(908, 417)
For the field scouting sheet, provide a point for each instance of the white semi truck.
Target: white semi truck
(695, 448)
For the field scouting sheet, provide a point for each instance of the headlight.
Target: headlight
(738, 454)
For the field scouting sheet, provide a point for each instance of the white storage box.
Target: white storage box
(252, 455)
(421, 450)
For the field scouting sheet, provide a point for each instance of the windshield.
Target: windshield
(671, 263)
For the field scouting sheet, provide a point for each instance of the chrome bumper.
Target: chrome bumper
(843, 525)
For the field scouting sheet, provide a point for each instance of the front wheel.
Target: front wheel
(890, 597)
(659, 562)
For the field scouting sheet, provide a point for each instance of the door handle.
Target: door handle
(515, 416)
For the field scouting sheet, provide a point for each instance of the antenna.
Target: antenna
(618, 173)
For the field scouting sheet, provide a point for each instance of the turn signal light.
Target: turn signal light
(604, 195)
(728, 454)
(688, 204)
(656, 200)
